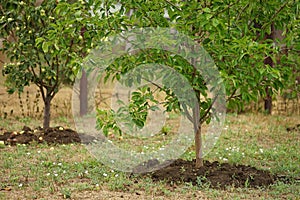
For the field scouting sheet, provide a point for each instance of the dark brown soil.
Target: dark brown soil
(53, 135)
(215, 174)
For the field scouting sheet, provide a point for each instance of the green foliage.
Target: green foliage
(235, 34)
(46, 43)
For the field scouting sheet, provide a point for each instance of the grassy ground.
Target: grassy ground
(68, 171)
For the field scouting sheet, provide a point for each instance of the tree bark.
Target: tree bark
(83, 94)
(268, 101)
(198, 146)
(198, 137)
(47, 105)
(269, 61)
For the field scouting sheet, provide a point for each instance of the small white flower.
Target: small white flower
(38, 151)
(52, 148)
(97, 185)
(55, 174)
(48, 174)
(59, 164)
(104, 174)
(64, 171)
(10, 19)
(86, 171)
(261, 150)
(54, 163)
(21, 184)
(112, 171)
(116, 175)
(28, 153)
(225, 159)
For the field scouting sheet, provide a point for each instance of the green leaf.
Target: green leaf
(45, 47)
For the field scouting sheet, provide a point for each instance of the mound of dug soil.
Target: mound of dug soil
(217, 175)
(53, 135)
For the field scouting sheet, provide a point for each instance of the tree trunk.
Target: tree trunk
(83, 94)
(47, 104)
(198, 137)
(198, 148)
(268, 101)
(269, 61)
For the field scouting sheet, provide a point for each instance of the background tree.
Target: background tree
(49, 40)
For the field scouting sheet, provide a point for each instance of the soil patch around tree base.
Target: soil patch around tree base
(53, 135)
(215, 175)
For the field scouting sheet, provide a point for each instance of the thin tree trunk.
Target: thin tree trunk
(83, 94)
(198, 146)
(47, 104)
(83, 85)
(268, 101)
(269, 61)
(198, 137)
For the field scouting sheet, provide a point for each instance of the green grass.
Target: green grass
(40, 171)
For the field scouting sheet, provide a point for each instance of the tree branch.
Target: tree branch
(203, 118)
